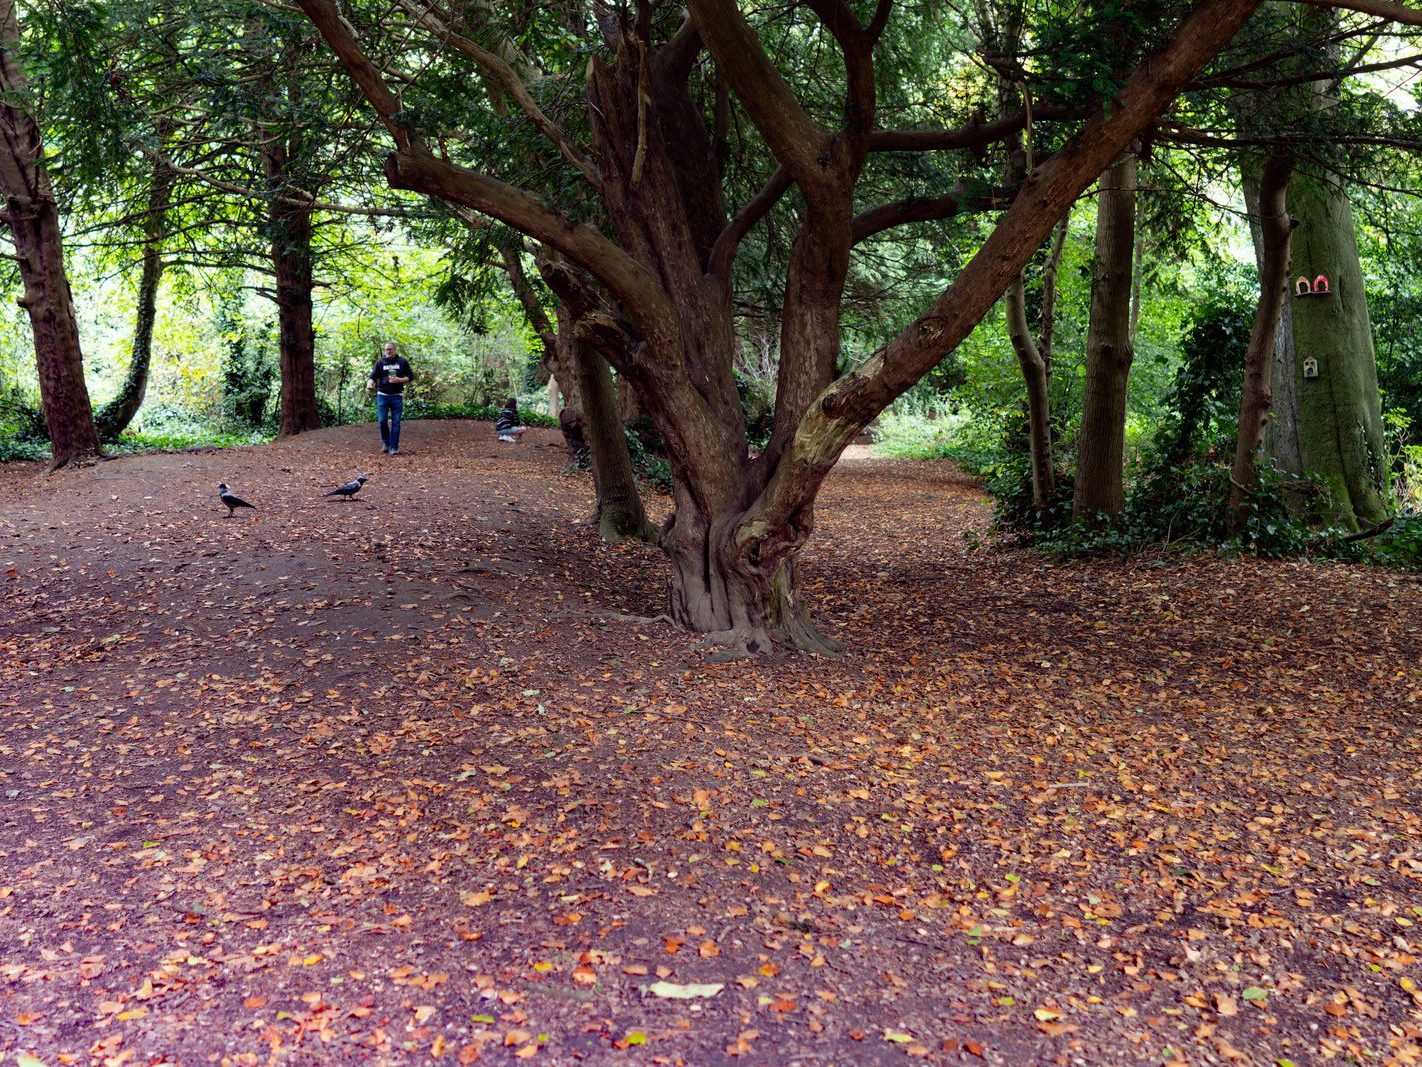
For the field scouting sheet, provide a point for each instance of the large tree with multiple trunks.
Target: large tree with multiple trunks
(663, 87)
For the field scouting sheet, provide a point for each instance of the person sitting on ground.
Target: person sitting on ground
(507, 426)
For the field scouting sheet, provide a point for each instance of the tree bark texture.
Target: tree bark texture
(727, 581)
(1100, 447)
(1334, 424)
(1275, 229)
(33, 219)
(113, 418)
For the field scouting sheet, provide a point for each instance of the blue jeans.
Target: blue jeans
(388, 409)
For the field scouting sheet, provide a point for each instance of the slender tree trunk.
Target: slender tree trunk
(1101, 442)
(113, 418)
(1039, 396)
(33, 219)
(585, 332)
(1275, 229)
(620, 513)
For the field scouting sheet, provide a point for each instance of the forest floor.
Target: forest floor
(396, 781)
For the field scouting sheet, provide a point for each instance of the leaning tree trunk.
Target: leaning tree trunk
(1329, 418)
(33, 219)
(113, 418)
(1100, 450)
(586, 338)
(620, 513)
(1275, 230)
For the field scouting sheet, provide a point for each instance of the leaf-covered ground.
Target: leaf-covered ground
(396, 780)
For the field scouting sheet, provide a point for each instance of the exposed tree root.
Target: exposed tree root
(751, 642)
(639, 620)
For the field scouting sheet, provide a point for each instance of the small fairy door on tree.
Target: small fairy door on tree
(1320, 284)
(1301, 287)
(1310, 367)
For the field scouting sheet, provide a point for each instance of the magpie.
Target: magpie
(350, 489)
(232, 500)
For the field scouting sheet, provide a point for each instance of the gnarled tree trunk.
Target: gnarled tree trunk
(33, 219)
(741, 522)
(1100, 447)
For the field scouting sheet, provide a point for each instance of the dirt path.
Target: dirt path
(389, 781)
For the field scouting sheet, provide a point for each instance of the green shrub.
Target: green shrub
(22, 449)
(418, 408)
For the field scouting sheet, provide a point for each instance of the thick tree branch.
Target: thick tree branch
(975, 135)
(858, 49)
(925, 209)
(799, 143)
(855, 398)
(1386, 9)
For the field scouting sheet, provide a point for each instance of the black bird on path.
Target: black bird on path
(232, 500)
(350, 489)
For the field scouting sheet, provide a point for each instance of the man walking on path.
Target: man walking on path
(388, 378)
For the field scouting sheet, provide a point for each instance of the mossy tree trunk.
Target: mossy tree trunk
(1329, 426)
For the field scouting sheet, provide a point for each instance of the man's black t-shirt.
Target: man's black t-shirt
(387, 368)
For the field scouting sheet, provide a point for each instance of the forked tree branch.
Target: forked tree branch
(848, 405)
(723, 252)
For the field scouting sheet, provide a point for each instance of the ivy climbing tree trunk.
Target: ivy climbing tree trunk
(1275, 229)
(1330, 426)
(1100, 448)
(33, 220)
(113, 418)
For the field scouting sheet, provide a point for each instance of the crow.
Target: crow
(232, 500)
(350, 489)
